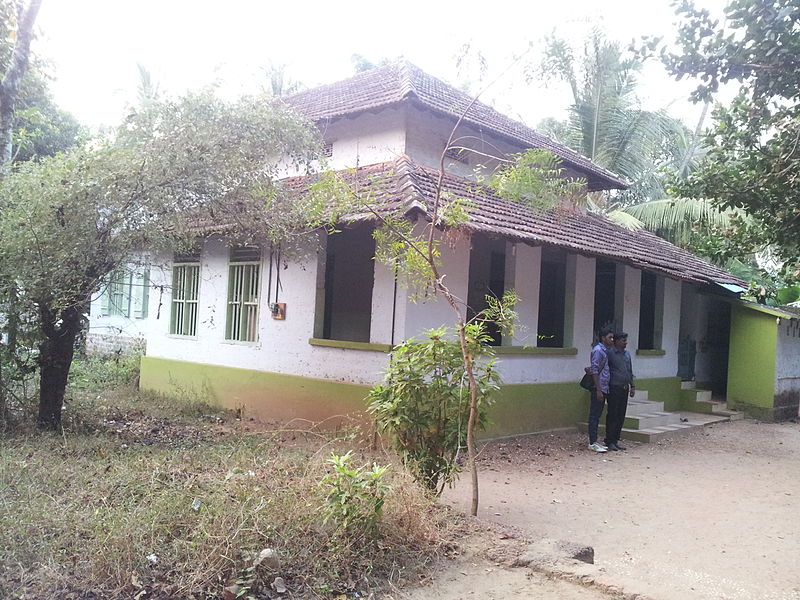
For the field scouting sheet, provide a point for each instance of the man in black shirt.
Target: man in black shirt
(620, 386)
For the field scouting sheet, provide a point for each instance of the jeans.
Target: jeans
(595, 412)
(615, 416)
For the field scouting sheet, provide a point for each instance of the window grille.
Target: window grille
(185, 294)
(458, 155)
(243, 291)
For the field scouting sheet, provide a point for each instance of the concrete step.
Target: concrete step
(653, 434)
(688, 385)
(687, 422)
(721, 409)
(650, 420)
(696, 400)
(639, 406)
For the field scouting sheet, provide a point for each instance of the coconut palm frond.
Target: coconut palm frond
(670, 213)
(624, 219)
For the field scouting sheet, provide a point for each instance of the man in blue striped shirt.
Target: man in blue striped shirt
(601, 376)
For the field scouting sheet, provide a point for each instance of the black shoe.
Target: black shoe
(612, 447)
(618, 447)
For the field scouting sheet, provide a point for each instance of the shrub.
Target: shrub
(104, 372)
(424, 402)
(354, 496)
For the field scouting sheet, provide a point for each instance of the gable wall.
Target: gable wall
(366, 139)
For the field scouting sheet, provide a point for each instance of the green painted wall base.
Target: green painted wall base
(518, 409)
(266, 396)
(532, 407)
(662, 389)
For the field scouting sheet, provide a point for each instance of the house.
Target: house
(304, 336)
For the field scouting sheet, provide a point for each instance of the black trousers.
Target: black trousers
(615, 415)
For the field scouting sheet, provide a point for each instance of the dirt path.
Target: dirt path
(711, 515)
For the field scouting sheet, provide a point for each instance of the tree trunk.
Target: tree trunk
(55, 358)
(9, 86)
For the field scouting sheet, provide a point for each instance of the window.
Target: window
(651, 312)
(487, 277)
(243, 289)
(605, 300)
(552, 299)
(349, 280)
(126, 294)
(185, 292)
(457, 154)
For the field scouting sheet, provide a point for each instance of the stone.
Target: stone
(549, 552)
(269, 558)
(231, 592)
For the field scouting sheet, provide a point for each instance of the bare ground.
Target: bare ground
(710, 515)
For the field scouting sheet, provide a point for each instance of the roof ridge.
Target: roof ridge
(407, 87)
(413, 199)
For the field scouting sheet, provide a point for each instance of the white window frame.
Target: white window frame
(185, 299)
(242, 314)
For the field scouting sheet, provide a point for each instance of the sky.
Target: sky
(95, 45)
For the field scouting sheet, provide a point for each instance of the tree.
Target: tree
(279, 82)
(533, 178)
(70, 220)
(606, 122)
(753, 161)
(18, 19)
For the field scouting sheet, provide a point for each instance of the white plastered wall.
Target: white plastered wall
(282, 346)
(117, 325)
(666, 365)
(523, 267)
(366, 139)
(429, 310)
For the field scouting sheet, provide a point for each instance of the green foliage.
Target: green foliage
(354, 496)
(606, 122)
(535, 179)
(753, 162)
(685, 221)
(407, 252)
(424, 401)
(172, 168)
(104, 372)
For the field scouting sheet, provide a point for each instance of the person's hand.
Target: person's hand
(601, 396)
(633, 391)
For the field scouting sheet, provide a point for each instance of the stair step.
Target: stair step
(650, 420)
(688, 385)
(652, 433)
(640, 407)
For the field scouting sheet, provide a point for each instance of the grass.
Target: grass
(141, 497)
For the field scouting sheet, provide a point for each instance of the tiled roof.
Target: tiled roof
(404, 82)
(401, 186)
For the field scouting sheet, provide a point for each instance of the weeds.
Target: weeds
(98, 373)
(118, 514)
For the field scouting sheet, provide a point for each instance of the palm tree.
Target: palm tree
(607, 124)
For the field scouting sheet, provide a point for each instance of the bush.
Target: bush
(104, 372)
(424, 402)
(354, 496)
